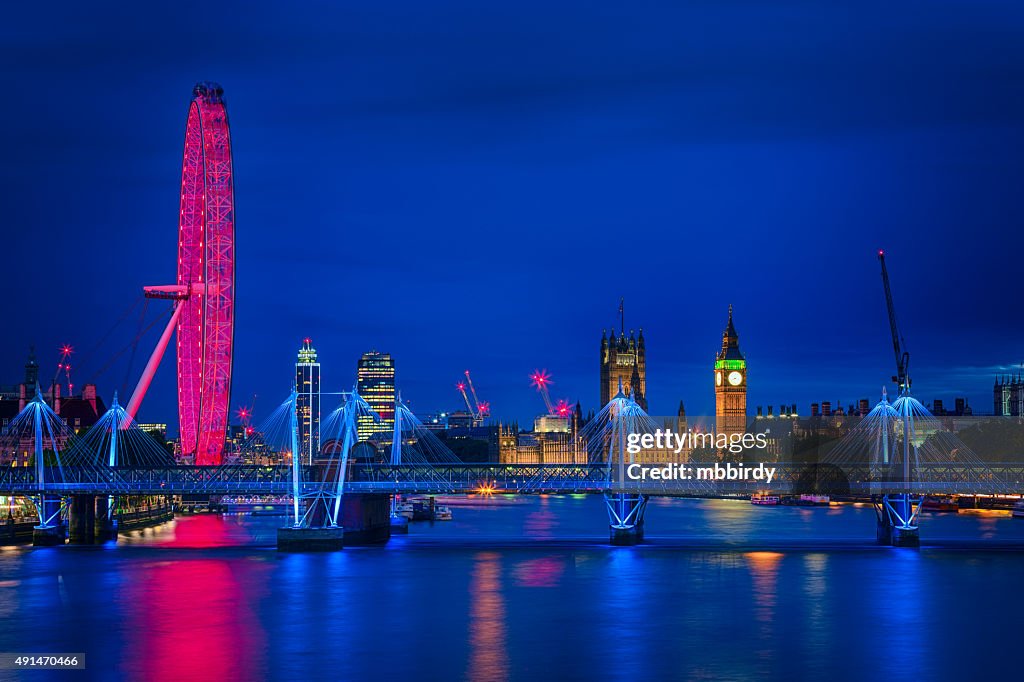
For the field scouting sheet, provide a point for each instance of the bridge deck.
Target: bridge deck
(467, 478)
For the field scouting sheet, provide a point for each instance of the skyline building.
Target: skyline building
(623, 359)
(307, 400)
(375, 382)
(730, 383)
(549, 423)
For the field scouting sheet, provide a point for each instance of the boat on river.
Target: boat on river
(939, 504)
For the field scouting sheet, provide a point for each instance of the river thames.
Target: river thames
(526, 588)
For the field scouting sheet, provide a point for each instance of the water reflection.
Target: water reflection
(764, 568)
(541, 572)
(540, 525)
(188, 619)
(209, 598)
(903, 627)
(815, 585)
(488, 655)
(627, 617)
(202, 531)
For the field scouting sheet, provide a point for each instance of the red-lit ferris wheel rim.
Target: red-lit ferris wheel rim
(206, 255)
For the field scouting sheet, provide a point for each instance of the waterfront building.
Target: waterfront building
(79, 411)
(375, 382)
(307, 401)
(157, 432)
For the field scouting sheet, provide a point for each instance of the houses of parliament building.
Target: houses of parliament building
(559, 440)
(624, 359)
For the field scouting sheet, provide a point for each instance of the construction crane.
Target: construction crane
(902, 377)
(483, 409)
(244, 414)
(563, 408)
(479, 409)
(64, 365)
(541, 380)
(461, 386)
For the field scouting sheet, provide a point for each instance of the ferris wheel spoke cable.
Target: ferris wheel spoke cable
(84, 358)
(130, 345)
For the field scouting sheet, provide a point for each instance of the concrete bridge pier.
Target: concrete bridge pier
(365, 520)
(50, 532)
(82, 520)
(105, 524)
(896, 521)
(329, 539)
(625, 518)
(314, 535)
(48, 536)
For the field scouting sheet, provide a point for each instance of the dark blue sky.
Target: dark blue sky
(468, 185)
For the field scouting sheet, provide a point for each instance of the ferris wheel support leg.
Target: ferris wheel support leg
(154, 362)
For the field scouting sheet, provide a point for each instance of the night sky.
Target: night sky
(468, 185)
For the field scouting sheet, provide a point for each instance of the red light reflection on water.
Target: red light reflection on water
(201, 531)
(540, 524)
(191, 619)
(542, 572)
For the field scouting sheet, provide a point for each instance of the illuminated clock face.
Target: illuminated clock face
(718, 378)
(735, 378)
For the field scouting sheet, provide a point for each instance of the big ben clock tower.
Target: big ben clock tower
(730, 384)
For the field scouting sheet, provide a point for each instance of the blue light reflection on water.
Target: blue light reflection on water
(525, 587)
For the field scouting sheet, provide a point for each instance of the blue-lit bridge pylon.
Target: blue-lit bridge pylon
(62, 461)
(899, 453)
(606, 438)
(38, 429)
(319, 502)
(898, 513)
